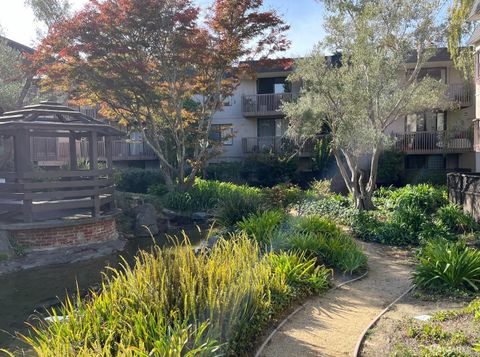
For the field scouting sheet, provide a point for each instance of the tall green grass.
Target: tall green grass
(178, 303)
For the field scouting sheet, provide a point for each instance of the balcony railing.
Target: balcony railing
(432, 142)
(460, 93)
(275, 145)
(50, 150)
(264, 104)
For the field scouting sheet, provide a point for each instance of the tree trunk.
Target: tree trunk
(357, 184)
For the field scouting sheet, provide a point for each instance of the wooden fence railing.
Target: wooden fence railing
(55, 194)
(50, 149)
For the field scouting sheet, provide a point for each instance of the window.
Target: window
(415, 122)
(440, 74)
(273, 85)
(415, 162)
(222, 133)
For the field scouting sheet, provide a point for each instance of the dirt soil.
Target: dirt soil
(382, 339)
(330, 324)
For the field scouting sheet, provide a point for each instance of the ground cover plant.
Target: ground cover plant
(178, 303)
(448, 333)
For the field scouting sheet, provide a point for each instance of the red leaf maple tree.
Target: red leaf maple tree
(161, 67)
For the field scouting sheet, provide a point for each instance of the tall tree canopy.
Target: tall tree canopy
(160, 67)
(49, 12)
(459, 31)
(374, 81)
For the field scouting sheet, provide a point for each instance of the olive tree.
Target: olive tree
(373, 81)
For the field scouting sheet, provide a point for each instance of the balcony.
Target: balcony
(264, 105)
(460, 94)
(433, 142)
(275, 145)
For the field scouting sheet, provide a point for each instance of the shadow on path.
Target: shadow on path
(331, 324)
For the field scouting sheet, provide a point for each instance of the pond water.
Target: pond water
(24, 294)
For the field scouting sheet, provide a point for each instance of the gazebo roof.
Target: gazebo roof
(50, 116)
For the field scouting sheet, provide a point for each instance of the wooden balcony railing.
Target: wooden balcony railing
(51, 150)
(46, 195)
(275, 145)
(264, 104)
(460, 93)
(432, 142)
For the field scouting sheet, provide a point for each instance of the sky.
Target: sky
(304, 17)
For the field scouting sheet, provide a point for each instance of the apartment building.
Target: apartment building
(440, 141)
(252, 122)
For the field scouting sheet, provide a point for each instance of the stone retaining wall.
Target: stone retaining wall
(464, 190)
(64, 234)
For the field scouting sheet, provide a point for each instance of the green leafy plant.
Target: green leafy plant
(448, 265)
(137, 180)
(239, 206)
(299, 271)
(283, 195)
(322, 238)
(452, 217)
(261, 226)
(317, 225)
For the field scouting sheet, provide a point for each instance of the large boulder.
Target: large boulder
(146, 220)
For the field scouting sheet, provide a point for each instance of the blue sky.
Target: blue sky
(304, 16)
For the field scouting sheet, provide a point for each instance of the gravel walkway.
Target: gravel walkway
(331, 324)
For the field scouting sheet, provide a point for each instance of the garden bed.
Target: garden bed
(451, 332)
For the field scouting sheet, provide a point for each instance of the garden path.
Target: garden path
(330, 325)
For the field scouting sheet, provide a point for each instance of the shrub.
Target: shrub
(283, 195)
(261, 226)
(424, 197)
(453, 218)
(268, 169)
(322, 238)
(299, 271)
(239, 206)
(336, 207)
(174, 302)
(137, 180)
(448, 265)
(206, 195)
(390, 167)
(317, 225)
(322, 187)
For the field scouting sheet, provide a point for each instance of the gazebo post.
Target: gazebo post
(93, 157)
(23, 165)
(73, 151)
(109, 157)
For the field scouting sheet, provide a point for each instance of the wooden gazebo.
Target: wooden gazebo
(29, 193)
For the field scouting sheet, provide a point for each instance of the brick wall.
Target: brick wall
(64, 236)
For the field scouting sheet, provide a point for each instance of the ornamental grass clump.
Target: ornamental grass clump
(176, 302)
(321, 237)
(262, 226)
